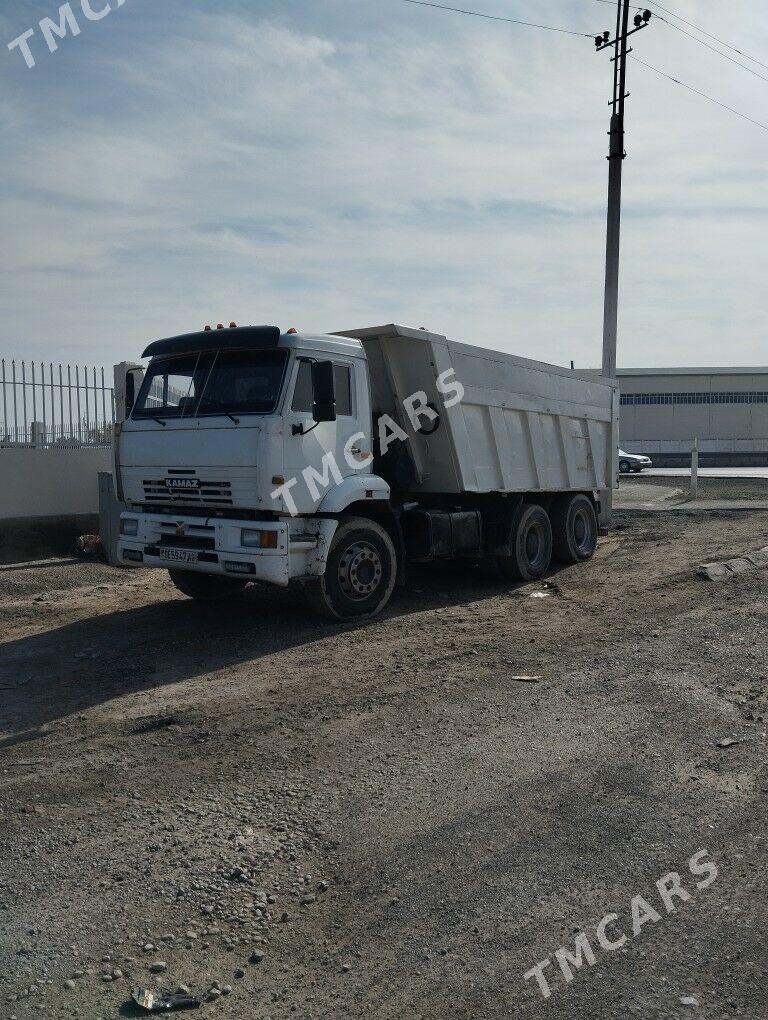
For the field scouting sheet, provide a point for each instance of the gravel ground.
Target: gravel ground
(709, 488)
(295, 818)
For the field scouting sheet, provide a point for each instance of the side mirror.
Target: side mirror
(323, 391)
(128, 378)
(133, 380)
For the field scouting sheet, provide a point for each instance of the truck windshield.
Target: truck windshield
(223, 382)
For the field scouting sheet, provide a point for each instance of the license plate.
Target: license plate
(178, 555)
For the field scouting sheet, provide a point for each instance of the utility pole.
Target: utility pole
(616, 157)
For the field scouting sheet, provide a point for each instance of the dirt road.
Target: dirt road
(320, 821)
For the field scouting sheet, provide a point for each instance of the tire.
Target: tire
(532, 546)
(637, 470)
(574, 529)
(624, 467)
(360, 573)
(206, 586)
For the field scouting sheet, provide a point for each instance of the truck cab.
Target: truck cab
(211, 458)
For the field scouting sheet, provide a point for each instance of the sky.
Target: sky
(333, 164)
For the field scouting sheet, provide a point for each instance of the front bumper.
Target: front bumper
(215, 546)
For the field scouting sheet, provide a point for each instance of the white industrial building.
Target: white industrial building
(663, 409)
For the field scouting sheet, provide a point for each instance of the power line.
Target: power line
(709, 34)
(703, 95)
(587, 35)
(494, 17)
(701, 31)
(714, 49)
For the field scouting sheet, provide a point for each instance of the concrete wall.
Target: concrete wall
(51, 482)
(47, 498)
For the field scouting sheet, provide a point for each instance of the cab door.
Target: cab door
(321, 446)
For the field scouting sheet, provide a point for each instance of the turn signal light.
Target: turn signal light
(129, 526)
(253, 539)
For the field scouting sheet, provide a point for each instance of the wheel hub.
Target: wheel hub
(533, 544)
(360, 570)
(580, 529)
(583, 534)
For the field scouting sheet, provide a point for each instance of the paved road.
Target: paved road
(710, 472)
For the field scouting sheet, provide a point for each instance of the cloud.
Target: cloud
(273, 164)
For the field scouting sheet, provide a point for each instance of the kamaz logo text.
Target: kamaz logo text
(182, 483)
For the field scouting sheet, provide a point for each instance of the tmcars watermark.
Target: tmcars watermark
(610, 932)
(416, 407)
(52, 30)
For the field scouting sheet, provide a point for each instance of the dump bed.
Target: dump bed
(521, 425)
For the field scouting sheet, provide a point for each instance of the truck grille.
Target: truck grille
(207, 494)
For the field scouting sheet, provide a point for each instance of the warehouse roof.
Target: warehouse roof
(761, 370)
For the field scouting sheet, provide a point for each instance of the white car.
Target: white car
(629, 462)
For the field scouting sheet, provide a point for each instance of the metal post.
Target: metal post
(53, 402)
(77, 398)
(695, 468)
(5, 435)
(103, 401)
(24, 395)
(15, 402)
(61, 402)
(69, 399)
(34, 394)
(87, 403)
(42, 392)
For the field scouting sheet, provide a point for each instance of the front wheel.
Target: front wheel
(624, 467)
(206, 586)
(359, 575)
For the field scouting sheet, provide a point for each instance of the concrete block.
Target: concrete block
(759, 558)
(740, 565)
(714, 571)
(109, 517)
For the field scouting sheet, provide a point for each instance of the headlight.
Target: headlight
(129, 526)
(252, 539)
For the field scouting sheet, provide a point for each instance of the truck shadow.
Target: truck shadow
(71, 668)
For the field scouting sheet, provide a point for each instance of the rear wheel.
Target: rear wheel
(574, 529)
(359, 575)
(531, 546)
(206, 586)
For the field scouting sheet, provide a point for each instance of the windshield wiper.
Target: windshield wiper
(160, 420)
(220, 410)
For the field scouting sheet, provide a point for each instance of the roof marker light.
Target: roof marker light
(233, 325)
(206, 329)
(293, 330)
(220, 326)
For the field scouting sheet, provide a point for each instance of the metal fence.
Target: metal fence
(42, 404)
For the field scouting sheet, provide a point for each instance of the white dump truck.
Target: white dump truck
(331, 462)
